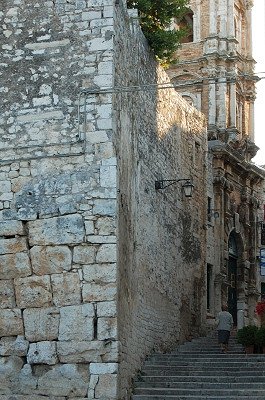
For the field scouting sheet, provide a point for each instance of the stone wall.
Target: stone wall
(161, 248)
(58, 202)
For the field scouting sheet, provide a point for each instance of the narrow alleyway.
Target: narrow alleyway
(197, 370)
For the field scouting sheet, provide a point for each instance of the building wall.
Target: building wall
(58, 202)
(161, 246)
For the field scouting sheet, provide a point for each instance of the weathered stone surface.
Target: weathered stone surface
(80, 352)
(84, 254)
(11, 322)
(12, 246)
(50, 259)
(103, 368)
(41, 324)
(99, 292)
(106, 226)
(60, 230)
(107, 328)
(11, 228)
(33, 291)
(9, 369)
(42, 353)
(104, 207)
(107, 253)
(76, 322)
(17, 346)
(27, 383)
(107, 309)
(7, 294)
(15, 265)
(32, 397)
(66, 289)
(106, 387)
(64, 380)
(100, 273)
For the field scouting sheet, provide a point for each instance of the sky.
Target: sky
(258, 43)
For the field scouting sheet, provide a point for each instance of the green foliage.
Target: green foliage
(155, 19)
(247, 335)
(260, 336)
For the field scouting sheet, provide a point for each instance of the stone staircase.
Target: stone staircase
(197, 370)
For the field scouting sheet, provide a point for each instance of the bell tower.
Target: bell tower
(215, 68)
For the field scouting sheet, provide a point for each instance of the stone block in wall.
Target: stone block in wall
(107, 309)
(106, 387)
(9, 370)
(27, 383)
(42, 353)
(7, 294)
(84, 254)
(34, 291)
(103, 368)
(15, 265)
(64, 380)
(106, 226)
(108, 175)
(11, 228)
(58, 230)
(107, 253)
(41, 324)
(47, 260)
(99, 292)
(17, 346)
(11, 323)
(107, 328)
(104, 273)
(12, 246)
(86, 352)
(76, 323)
(66, 289)
(104, 207)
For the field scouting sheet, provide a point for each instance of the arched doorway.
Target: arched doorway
(232, 276)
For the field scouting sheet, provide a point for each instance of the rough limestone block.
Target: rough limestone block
(64, 380)
(17, 346)
(27, 383)
(58, 230)
(11, 228)
(107, 253)
(100, 273)
(107, 309)
(11, 322)
(107, 328)
(42, 353)
(108, 176)
(106, 387)
(86, 352)
(66, 289)
(76, 322)
(47, 260)
(14, 245)
(31, 397)
(104, 207)
(99, 292)
(106, 226)
(103, 368)
(84, 254)
(33, 291)
(15, 265)
(41, 324)
(9, 369)
(7, 294)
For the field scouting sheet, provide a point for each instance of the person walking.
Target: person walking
(224, 325)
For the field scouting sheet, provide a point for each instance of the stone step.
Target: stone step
(205, 392)
(198, 371)
(195, 397)
(206, 378)
(198, 385)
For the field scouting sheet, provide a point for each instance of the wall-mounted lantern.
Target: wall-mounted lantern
(187, 185)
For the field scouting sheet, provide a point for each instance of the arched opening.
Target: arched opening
(186, 22)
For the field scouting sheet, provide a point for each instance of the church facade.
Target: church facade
(215, 73)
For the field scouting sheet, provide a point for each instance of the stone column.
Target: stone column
(221, 104)
(197, 22)
(230, 19)
(232, 109)
(212, 103)
(212, 18)
(251, 126)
